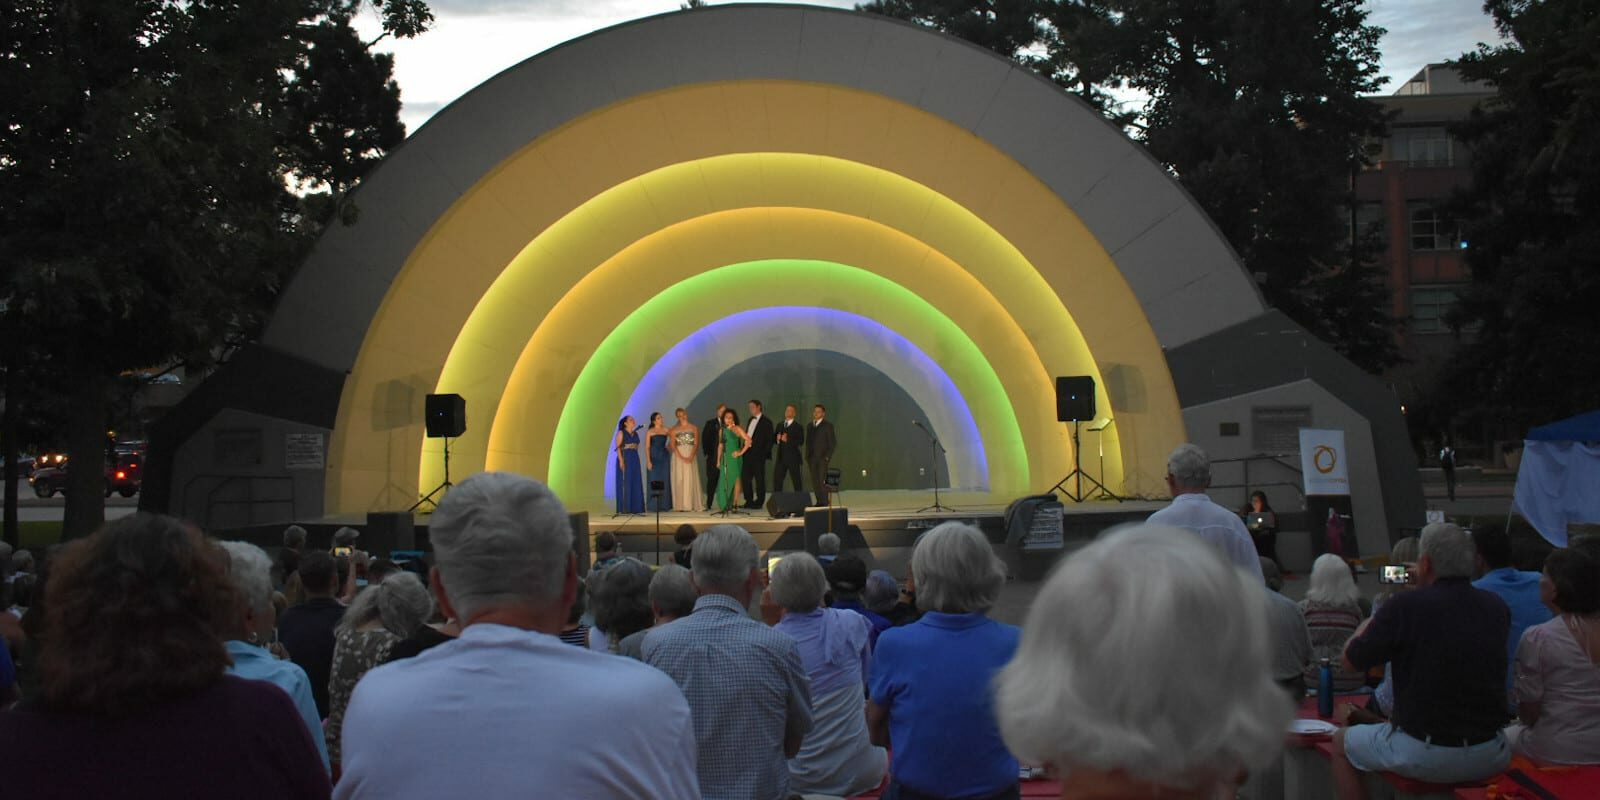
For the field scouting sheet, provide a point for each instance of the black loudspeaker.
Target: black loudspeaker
(1075, 398)
(388, 531)
(787, 504)
(444, 416)
(817, 523)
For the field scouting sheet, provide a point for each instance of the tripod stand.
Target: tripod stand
(443, 487)
(934, 440)
(1078, 475)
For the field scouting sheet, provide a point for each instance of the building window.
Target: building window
(1429, 305)
(1431, 230)
(1369, 224)
(1423, 147)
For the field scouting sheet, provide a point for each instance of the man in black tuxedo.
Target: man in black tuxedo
(791, 436)
(820, 444)
(755, 460)
(710, 440)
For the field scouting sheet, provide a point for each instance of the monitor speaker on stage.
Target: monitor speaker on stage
(388, 531)
(1075, 398)
(444, 416)
(818, 523)
(787, 504)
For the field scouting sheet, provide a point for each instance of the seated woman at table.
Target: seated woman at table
(1333, 612)
(1558, 666)
(1118, 691)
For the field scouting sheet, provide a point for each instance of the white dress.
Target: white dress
(686, 492)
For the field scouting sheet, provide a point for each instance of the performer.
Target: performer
(710, 441)
(630, 489)
(730, 459)
(659, 467)
(685, 473)
(791, 436)
(755, 475)
(820, 444)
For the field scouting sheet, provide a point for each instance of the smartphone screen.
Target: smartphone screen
(1394, 573)
(342, 552)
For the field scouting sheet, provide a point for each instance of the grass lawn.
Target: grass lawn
(39, 535)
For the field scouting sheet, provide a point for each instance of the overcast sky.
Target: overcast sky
(474, 39)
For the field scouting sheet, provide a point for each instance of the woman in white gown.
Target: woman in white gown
(684, 442)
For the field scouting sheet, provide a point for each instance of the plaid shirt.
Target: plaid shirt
(747, 691)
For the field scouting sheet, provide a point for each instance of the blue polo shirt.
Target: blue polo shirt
(935, 678)
(1520, 590)
(257, 664)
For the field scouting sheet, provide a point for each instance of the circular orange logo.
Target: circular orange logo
(1324, 458)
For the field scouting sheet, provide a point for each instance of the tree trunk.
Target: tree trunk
(86, 456)
(8, 451)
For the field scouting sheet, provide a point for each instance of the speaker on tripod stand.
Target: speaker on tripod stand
(1075, 404)
(444, 416)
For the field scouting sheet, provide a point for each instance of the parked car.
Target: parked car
(122, 477)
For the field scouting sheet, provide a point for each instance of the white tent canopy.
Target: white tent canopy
(1559, 480)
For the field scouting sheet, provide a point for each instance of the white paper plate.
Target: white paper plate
(1312, 727)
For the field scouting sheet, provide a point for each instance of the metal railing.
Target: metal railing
(1272, 470)
(250, 501)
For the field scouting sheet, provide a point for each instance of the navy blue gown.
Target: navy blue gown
(660, 470)
(630, 477)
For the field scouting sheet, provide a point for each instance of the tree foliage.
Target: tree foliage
(163, 165)
(1531, 220)
(1257, 109)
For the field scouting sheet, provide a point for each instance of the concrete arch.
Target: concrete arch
(1116, 242)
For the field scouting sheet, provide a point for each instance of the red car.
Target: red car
(123, 477)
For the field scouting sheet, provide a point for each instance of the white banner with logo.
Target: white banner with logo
(1323, 462)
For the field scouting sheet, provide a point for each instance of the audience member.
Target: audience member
(1558, 667)
(21, 565)
(1188, 477)
(827, 548)
(505, 568)
(381, 616)
(1332, 609)
(1445, 643)
(575, 632)
(881, 594)
(1520, 590)
(672, 596)
(8, 678)
(251, 628)
(837, 757)
(306, 630)
(135, 700)
(438, 631)
(379, 569)
(622, 601)
(746, 686)
(1291, 639)
(607, 551)
(286, 567)
(684, 538)
(905, 606)
(1404, 552)
(1119, 691)
(847, 578)
(930, 680)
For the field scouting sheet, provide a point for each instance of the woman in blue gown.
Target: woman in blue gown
(630, 479)
(660, 465)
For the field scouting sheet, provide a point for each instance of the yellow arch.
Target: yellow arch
(452, 269)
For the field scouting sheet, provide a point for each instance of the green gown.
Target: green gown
(732, 466)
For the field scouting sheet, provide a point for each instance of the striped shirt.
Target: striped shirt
(747, 692)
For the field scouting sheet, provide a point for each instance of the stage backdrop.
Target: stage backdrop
(600, 229)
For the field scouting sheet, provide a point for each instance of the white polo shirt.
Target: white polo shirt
(1215, 524)
(503, 712)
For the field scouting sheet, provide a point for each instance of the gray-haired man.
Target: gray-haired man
(497, 712)
(745, 682)
(1188, 477)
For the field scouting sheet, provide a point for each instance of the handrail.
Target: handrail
(250, 500)
(1286, 461)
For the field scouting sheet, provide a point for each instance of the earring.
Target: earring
(254, 639)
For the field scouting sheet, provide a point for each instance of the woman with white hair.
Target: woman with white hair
(930, 679)
(255, 620)
(1332, 607)
(837, 756)
(380, 618)
(1116, 687)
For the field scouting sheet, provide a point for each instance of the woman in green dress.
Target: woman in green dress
(730, 459)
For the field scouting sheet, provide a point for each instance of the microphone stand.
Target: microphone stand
(934, 441)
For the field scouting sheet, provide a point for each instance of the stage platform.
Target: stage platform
(882, 525)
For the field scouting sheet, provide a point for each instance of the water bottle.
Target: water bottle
(1325, 690)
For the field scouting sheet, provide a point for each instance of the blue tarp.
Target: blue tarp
(1559, 480)
(1582, 428)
